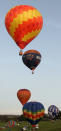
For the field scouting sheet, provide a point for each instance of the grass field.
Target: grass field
(43, 126)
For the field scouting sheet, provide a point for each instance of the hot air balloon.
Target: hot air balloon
(11, 123)
(31, 59)
(23, 24)
(33, 112)
(53, 111)
(23, 95)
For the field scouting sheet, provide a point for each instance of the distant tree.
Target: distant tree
(21, 118)
(59, 115)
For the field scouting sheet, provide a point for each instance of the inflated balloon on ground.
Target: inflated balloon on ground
(53, 111)
(11, 123)
(33, 112)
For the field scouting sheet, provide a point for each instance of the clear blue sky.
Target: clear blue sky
(45, 84)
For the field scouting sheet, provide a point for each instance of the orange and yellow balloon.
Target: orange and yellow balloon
(23, 95)
(23, 23)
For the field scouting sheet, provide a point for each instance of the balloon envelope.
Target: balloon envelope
(23, 23)
(53, 111)
(31, 59)
(23, 95)
(33, 111)
(11, 123)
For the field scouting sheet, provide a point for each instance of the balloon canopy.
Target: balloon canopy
(23, 23)
(33, 111)
(31, 59)
(23, 95)
(11, 123)
(53, 111)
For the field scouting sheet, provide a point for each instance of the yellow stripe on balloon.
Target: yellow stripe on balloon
(23, 17)
(30, 35)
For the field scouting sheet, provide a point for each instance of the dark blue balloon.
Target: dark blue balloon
(31, 59)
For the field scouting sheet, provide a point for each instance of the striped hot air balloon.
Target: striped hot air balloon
(33, 111)
(11, 123)
(23, 23)
(53, 111)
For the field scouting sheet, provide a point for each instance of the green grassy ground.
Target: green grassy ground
(43, 126)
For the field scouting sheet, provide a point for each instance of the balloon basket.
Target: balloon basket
(32, 71)
(20, 53)
(33, 128)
